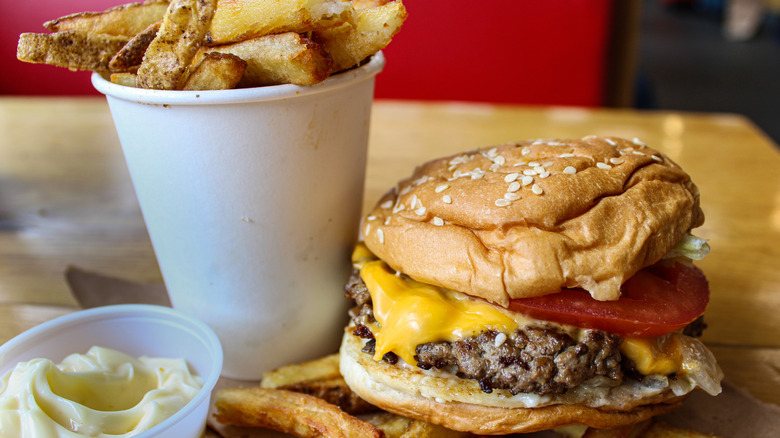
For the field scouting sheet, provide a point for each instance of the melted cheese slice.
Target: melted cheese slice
(410, 313)
(413, 313)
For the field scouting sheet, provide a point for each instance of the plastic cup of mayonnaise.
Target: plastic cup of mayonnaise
(252, 199)
(137, 330)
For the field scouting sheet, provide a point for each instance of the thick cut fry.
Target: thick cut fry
(323, 368)
(217, 71)
(73, 49)
(371, 32)
(126, 79)
(645, 429)
(124, 20)
(302, 415)
(182, 32)
(132, 54)
(287, 58)
(362, 4)
(237, 20)
(320, 378)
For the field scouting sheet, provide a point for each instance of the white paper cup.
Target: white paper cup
(252, 199)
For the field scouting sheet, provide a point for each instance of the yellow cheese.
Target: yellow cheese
(410, 313)
(413, 313)
(659, 355)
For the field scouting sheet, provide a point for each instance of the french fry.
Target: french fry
(72, 49)
(418, 428)
(362, 4)
(645, 429)
(237, 20)
(132, 54)
(217, 71)
(124, 20)
(320, 378)
(323, 368)
(372, 30)
(181, 34)
(287, 58)
(126, 79)
(302, 415)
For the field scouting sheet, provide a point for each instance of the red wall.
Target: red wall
(520, 51)
(527, 51)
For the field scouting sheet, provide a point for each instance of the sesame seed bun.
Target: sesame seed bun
(459, 404)
(527, 219)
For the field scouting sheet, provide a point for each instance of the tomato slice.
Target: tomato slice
(657, 300)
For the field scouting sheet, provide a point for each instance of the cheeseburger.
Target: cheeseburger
(530, 286)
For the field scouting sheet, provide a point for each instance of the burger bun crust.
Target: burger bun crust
(406, 400)
(527, 219)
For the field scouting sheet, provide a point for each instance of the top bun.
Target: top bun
(527, 219)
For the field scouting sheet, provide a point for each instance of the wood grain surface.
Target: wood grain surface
(66, 199)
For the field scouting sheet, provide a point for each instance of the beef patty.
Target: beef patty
(541, 360)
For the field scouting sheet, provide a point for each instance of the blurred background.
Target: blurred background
(691, 55)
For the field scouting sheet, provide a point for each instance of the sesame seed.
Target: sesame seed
(368, 228)
(502, 202)
(380, 235)
(511, 196)
(544, 174)
(511, 177)
(638, 153)
(536, 189)
(610, 141)
(399, 207)
(492, 153)
(387, 220)
(533, 164)
(387, 204)
(529, 172)
(458, 160)
(414, 201)
(527, 180)
(540, 141)
(566, 155)
(515, 186)
(500, 339)
(406, 190)
(420, 180)
(616, 160)
(441, 188)
(604, 166)
(447, 199)
(525, 151)
(438, 221)
(493, 167)
(421, 211)
(457, 174)
(477, 173)
(657, 158)
(500, 160)
(638, 142)
(371, 218)
(569, 170)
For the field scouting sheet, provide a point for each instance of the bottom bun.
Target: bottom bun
(369, 380)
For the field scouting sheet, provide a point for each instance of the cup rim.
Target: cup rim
(118, 311)
(239, 95)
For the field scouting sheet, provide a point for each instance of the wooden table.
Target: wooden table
(66, 199)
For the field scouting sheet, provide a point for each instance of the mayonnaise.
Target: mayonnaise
(103, 393)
